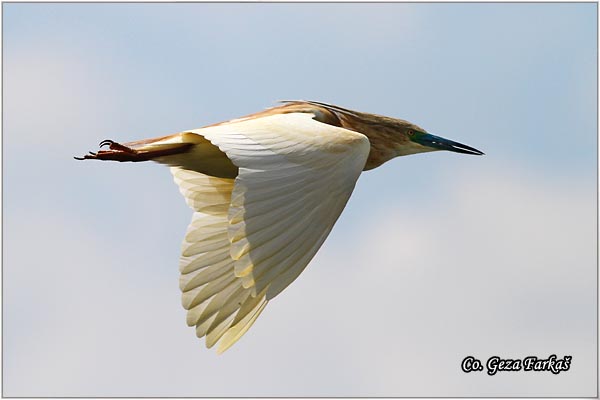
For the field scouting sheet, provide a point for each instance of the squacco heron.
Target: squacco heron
(266, 190)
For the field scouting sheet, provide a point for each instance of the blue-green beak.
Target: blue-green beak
(439, 143)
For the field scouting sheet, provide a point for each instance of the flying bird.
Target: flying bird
(266, 190)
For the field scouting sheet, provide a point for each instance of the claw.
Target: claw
(89, 156)
(106, 142)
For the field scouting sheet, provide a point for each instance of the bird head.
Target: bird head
(416, 140)
(391, 137)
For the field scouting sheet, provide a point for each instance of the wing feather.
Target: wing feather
(251, 237)
(212, 294)
(295, 177)
(239, 327)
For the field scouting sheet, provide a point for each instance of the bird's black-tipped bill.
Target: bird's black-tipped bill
(440, 143)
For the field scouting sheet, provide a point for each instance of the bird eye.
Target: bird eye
(410, 132)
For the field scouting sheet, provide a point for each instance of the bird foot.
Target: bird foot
(116, 152)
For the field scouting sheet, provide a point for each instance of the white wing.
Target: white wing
(217, 304)
(295, 177)
(250, 238)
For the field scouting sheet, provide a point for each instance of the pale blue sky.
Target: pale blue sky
(437, 256)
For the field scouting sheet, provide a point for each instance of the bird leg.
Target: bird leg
(120, 152)
(116, 152)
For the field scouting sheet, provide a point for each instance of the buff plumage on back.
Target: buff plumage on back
(251, 236)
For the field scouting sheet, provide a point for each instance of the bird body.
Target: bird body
(266, 190)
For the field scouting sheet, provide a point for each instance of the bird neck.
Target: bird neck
(380, 136)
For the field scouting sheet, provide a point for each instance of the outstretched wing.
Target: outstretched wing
(252, 236)
(218, 305)
(295, 176)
